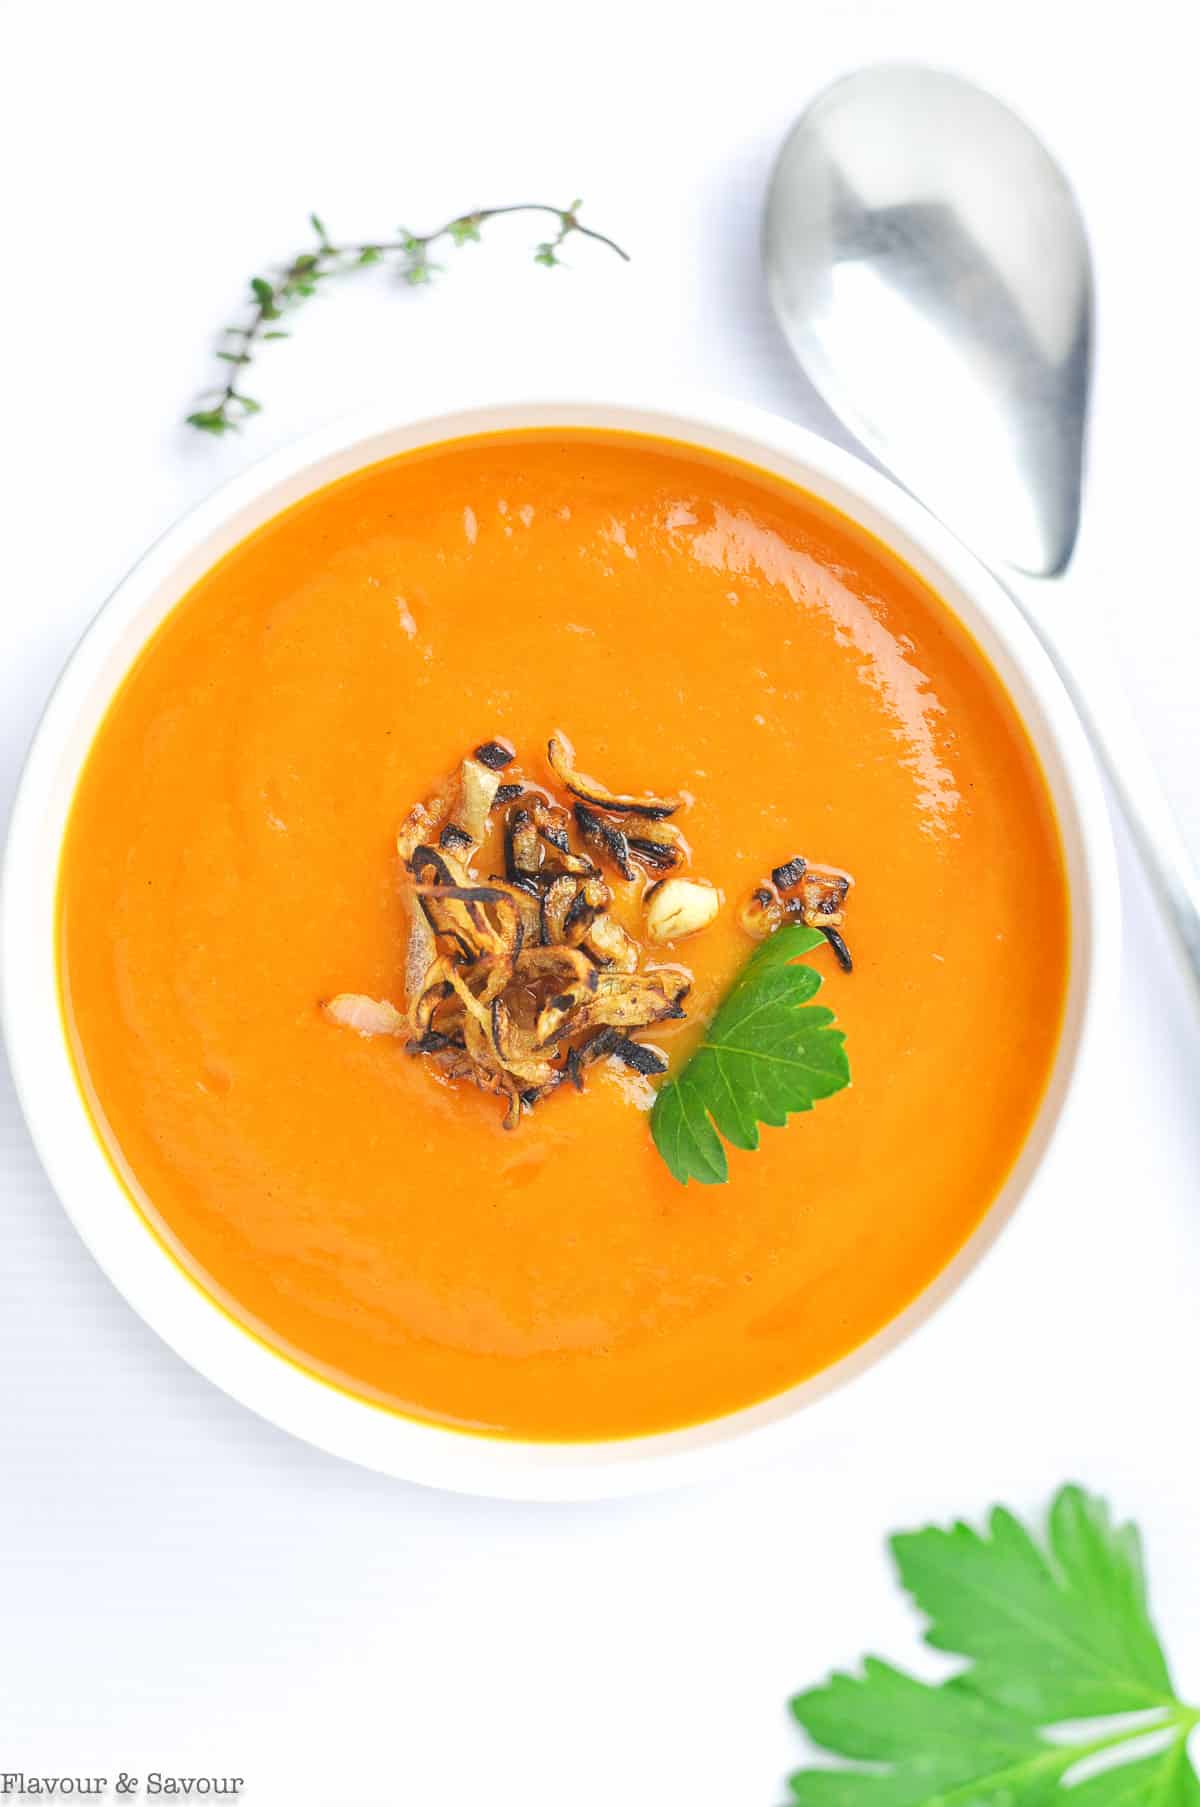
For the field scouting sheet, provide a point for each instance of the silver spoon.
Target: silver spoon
(930, 269)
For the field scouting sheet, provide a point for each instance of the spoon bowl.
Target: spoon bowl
(929, 266)
(941, 299)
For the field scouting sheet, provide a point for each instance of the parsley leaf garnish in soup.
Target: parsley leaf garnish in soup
(312, 1117)
(767, 1053)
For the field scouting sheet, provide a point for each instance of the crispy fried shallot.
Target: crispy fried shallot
(762, 913)
(477, 791)
(609, 841)
(656, 851)
(814, 895)
(561, 755)
(521, 981)
(495, 754)
(639, 1057)
(518, 975)
(841, 951)
(610, 945)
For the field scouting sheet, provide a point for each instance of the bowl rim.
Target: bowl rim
(190, 1320)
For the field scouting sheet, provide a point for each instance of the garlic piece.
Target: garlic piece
(679, 907)
(369, 1016)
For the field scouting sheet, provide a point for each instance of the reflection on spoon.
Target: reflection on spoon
(928, 264)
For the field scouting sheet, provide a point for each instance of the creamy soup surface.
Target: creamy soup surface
(230, 862)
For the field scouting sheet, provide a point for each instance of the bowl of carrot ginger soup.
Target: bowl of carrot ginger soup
(539, 940)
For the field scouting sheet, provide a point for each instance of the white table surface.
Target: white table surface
(184, 1588)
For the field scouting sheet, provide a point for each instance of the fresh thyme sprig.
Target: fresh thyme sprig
(226, 405)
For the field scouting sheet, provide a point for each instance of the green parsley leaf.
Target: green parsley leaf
(1162, 1780)
(1057, 1632)
(934, 1740)
(1166, 1779)
(761, 1059)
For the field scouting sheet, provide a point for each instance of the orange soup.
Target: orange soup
(231, 862)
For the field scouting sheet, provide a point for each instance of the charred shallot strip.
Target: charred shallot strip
(631, 1000)
(584, 900)
(477, 789)
(427, 860)
(557, 903)
(610, 945)
(579, 917)
(639, 1057)
(785, 876)
(814, 895)
(629, 836)
(519, 982)
(840, 949)
(554, 829)
(435, 990)
(522, 858)
(661, 855)
(606, 838)
(434, 876)
(820, 897)
(468, 894)
(419, 825)
(495, 754)
(561, 755)
(434, 1042)
(597, 1047)
(763, 912)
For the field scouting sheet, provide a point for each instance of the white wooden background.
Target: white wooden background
(182, 1587)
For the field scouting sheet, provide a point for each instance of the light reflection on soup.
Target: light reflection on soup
(230, 861)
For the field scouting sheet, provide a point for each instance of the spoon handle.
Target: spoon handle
(1117, 740)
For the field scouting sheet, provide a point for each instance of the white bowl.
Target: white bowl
(132, 1256)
